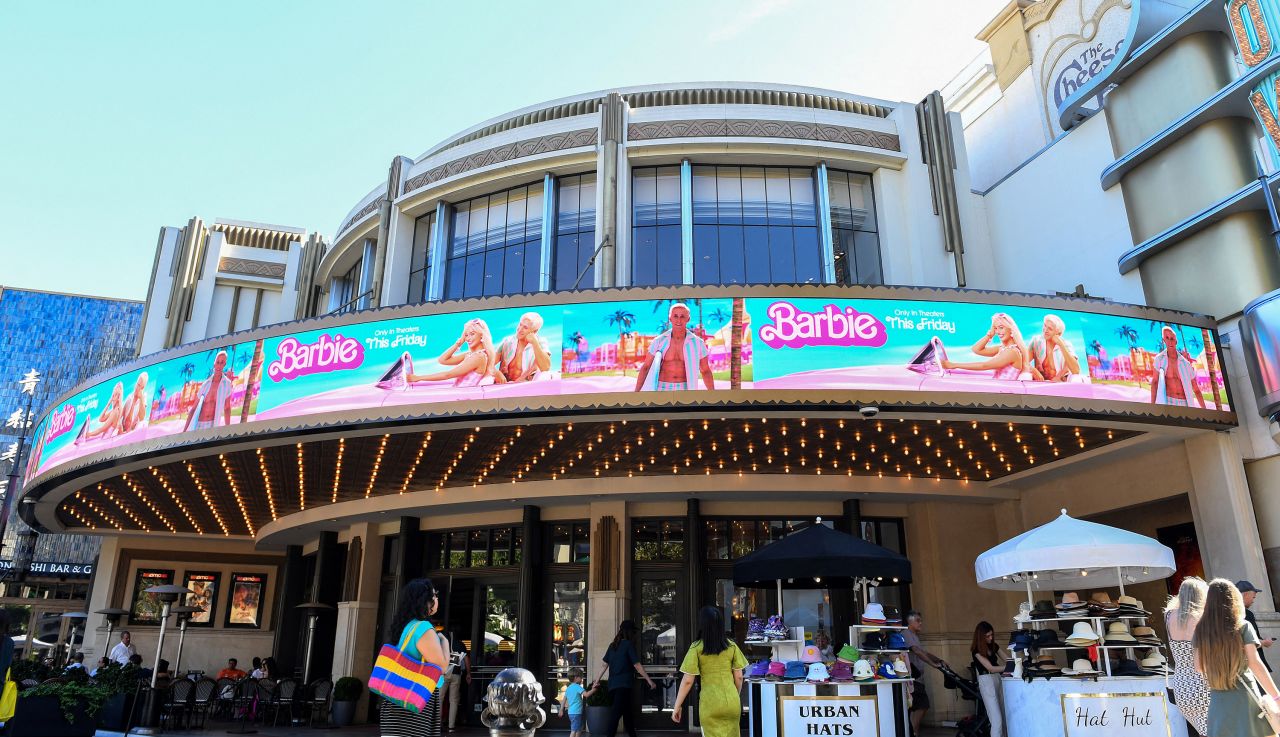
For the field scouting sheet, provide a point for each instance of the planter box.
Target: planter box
(41, 716)
(343, 713)
(114, 716)
(598, 719)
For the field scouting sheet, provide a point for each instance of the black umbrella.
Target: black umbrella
(818, 557)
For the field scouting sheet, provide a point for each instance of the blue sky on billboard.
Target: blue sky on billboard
(123, 117)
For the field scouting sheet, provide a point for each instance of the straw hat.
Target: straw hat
(1119, 632)
(1070, 599)
(1082, 634)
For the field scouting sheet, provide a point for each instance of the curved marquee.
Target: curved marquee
(903, 347)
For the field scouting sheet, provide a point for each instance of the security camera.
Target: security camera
(868, 412)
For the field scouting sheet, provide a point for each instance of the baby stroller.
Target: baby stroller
(977, 724)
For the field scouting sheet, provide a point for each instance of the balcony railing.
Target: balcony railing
(354, 304)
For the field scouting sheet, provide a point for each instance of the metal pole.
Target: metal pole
(182, 636)
(164, 619)
(311, 634)
(15, 471)
(110, 628)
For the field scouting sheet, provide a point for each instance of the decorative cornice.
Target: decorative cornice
(508, 152)
(721, 128)
(250, 267)
(356, 217)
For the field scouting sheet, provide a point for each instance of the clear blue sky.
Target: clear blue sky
(121, 117)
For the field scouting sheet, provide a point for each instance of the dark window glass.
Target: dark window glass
(423, 232)
(457, 550)
(502, 546)
(479, 548)
(756, 225)
(717, 534)
(658, 540)
(494, 244)
(853, 229)
(655, 217)
(518, 536)
(575, 232)
(582, 543)
(561, 543)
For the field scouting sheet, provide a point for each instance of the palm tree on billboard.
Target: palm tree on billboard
(1130, 335)
(735, 345)
(622, 320)
(719, 317)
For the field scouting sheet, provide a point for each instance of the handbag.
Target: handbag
(8, 699)
(1270, 709)
(402, 679)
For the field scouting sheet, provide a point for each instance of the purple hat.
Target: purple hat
(777, 669)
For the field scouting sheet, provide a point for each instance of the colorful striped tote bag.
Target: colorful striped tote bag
(403, 680)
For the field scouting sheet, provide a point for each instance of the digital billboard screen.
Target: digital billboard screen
(699, 344)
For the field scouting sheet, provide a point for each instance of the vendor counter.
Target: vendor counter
(1102, 707)
(871, 709)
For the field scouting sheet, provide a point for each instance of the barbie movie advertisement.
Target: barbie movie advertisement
(739, 343)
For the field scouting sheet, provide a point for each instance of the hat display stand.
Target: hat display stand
(819, 557)
(1069, 555)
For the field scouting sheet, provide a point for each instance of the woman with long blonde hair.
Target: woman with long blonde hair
(1009, 357)
(468, 368)
(1181, 615)
(1226, 653)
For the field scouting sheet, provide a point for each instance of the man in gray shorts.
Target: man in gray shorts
(919, 697)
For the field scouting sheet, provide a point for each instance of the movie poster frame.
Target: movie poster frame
(213, 602)
(138, 592)
(231, 592)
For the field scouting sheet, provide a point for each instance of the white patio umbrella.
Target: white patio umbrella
(1071, 553)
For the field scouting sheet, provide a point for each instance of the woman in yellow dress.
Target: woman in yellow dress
(718, 661)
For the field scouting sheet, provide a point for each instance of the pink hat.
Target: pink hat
(811, 654)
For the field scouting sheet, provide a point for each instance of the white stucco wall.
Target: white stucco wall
(1052, 226)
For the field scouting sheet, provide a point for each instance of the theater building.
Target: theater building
(455, 384)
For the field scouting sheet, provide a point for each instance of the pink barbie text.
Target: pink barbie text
(328, 353)
(61, 421)
(793, 328)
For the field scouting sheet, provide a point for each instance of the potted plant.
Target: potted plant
(599, 705)
(121, 685)
(346, 692)
(67, 708)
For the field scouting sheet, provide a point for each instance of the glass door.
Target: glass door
(565, 638)
(659, 612)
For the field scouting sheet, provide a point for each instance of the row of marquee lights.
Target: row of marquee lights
(910, 448)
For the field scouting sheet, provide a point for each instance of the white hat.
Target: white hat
(874, 612)
(1080, 667)
(818, 673)
(1082, 634)
(900, 668)
(862, 671)
(1155, 662)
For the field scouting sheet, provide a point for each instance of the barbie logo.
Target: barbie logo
(793, 328)
(61, 421)
(328, 353)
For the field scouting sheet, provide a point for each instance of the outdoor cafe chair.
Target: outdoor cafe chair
(204, 699)
(284, 698)
(225, 698)
(266, 692)
(177, 703)
(318, 703)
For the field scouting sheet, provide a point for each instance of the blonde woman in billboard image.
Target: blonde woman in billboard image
(212, 407)
(1053, 358)
(523, 355)
(135, 407)
(1008, 358)
(469, 368)
(681, 357)
(110, 419)
(1226, 653)
(1174, 378)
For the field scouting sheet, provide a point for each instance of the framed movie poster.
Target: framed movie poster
(204, 586)
(146, 607)
(246, 605)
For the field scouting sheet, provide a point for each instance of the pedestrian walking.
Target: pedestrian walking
(413, 628)
(622, 663)
(1181, 615)
(1226, 652)
(719, 663)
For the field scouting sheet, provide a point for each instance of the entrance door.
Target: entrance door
(659, 610)
(564, 637)
(482, 612)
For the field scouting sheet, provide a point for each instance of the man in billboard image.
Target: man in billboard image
(1174, 379)
(524, 355)
(681, 357)
(213, 398)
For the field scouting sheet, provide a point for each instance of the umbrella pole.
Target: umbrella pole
(780, 612)
(1120, 579)
(1029, 596)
